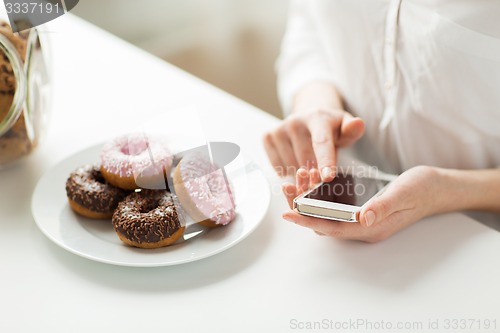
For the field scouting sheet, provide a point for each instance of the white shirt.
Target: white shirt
(424, 75)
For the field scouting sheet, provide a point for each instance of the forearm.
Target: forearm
(470, 189)
(317, 96)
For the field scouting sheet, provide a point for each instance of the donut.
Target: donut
(90, 195)
(204, 191)
(136, 161)
(148, 219)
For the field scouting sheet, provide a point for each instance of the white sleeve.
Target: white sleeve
(302, 58)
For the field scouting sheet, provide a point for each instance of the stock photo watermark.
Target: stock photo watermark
(368, 325)
(347, 187)
(353, 168)
(28, 14)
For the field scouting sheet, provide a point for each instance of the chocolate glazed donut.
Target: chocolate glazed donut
(90, 195)
(148, 219)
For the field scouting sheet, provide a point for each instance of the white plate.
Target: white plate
(96, 239)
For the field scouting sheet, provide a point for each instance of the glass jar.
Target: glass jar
(24, 87)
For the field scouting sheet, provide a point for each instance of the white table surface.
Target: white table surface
(277, 280)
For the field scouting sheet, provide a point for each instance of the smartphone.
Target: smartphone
(341, 199)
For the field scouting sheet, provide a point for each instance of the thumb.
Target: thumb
(351, 130)
(380, 207)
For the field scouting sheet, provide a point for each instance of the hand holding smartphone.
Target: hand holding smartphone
(341, 199)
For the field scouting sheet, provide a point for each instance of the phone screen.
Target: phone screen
(348, 189)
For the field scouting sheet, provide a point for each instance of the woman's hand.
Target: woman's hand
(417, 193)
(310, 140)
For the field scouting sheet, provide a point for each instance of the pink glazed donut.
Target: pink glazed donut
(204, 191)
(136, 161)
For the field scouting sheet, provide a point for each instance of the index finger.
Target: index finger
(323, 143)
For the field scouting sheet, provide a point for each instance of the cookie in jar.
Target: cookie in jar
(24, 87)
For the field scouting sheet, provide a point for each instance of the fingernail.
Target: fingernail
(370, 218)
(326, 172)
